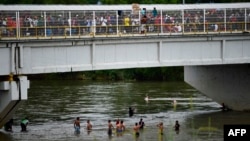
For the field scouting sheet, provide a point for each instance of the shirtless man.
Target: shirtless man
(136, 129)
(77, 125)
(110, 127)
(120, 128)
(160, 126)
(89, 125)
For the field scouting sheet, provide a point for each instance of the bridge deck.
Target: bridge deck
(40, 21)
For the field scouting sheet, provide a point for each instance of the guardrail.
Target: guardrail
(121, 30)
(75, 24)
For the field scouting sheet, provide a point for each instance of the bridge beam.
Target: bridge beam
(228, 84)
(12, 95)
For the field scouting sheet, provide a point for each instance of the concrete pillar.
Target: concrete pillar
(12, 94)
(228, 84)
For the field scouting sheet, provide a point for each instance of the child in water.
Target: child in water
(160, 127)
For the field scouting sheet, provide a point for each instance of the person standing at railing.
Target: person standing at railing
(21, 24)
(89, 24)
(233, 21)
(4, 26)
(120, 23)
(154, 12)
(35, 21)
(143, 12)
(93, 26)
(82, 23)
(215, 27)
(127, 24)
(59, 22)
(108, 29)
(143, 24)
(177, 28)
(40, 25)
(113, 22)
(68, 28)
(157, 23)
(168, 23)
(104, 25)
(74, 23)
(51, 23)
(11, 26)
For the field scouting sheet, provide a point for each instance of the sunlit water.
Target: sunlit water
(52, 107)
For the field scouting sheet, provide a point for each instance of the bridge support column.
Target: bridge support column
(228, 84)
(12, 94)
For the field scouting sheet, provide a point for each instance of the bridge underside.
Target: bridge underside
(228, 84)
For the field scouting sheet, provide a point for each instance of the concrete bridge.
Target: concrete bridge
(215, 62)
(217, 65)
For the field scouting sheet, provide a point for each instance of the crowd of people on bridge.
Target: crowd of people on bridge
(108, 22)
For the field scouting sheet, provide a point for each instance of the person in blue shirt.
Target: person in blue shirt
(154, 12)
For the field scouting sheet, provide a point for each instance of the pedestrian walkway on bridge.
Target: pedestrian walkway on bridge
(80, 21)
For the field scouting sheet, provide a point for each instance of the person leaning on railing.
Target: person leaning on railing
(143, 24)
(127, 24)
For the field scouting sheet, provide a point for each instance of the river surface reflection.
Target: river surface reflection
(52, 107)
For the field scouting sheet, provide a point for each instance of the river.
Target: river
(52, 107)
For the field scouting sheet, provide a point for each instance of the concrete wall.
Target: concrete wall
(228, 84)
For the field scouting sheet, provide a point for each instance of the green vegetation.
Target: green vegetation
(138, 74)
(115, 1)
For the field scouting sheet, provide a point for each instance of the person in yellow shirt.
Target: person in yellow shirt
(126, 24)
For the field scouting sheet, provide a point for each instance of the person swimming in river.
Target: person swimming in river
(141, 123)
(77, 125)
(120, 128)
(160, 127)
(110, 127)
(177, 127)
(130, 112)
(89, 125)
(224, 107)
(174, 102)
(136, 129)
(146, 98)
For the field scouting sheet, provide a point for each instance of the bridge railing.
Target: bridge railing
(70, 24)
